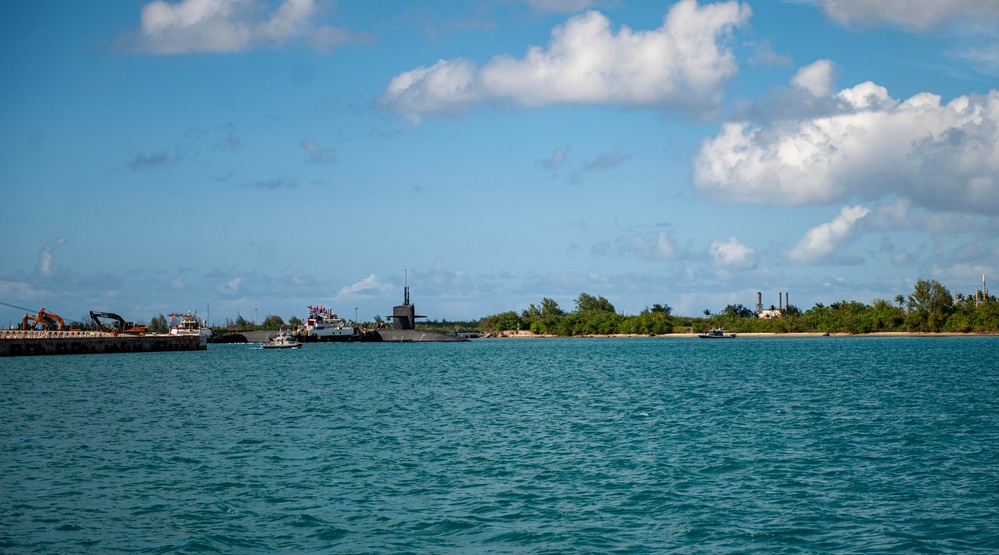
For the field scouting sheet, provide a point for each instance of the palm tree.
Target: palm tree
(900, 299)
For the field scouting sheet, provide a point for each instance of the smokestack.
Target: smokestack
(780, 299)
(787, 304)
(759, 303)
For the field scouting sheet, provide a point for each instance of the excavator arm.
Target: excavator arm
(119, 322)
(44, 320)
(120, 325)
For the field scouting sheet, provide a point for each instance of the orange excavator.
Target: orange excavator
(119, 325)
(44, 320)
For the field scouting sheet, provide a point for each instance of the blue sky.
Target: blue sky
(254, 157)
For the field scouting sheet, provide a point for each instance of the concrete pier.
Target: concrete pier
(34, 343)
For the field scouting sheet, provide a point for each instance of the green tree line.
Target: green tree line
(930, 307)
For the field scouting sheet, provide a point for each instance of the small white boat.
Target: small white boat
(716, 333)
(281, 341)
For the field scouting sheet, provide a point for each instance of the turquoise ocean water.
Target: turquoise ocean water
(651, 445)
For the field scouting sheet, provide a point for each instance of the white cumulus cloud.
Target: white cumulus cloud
(679, 65)
(939, 156)
(822, 240)
(817, 78)
(231, 26)
(368, 286)
(911, 14)
(732, 254)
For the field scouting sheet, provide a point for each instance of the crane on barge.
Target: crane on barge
(44, 320)
(119, 325)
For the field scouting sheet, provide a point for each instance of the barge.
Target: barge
(35, 343)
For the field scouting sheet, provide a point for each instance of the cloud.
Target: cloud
(968, 275)
(556, 160)
(229, 141)
(981, 52)
(605, 161)
(901, 215)
(273, 184)
(370, 286)
(822, 240)
(233, 280)
(763, 55)
(871, 146)
(229, 287)
(177, 283)
(319, 154)
(915, 15)
(562, 6)
(658, 246)
(231, 26)
(302, 279)
(189, 144)
(143, 161)
(898, 257)
(680, 65)
(732, 254)
(45, 258)
(817, 78)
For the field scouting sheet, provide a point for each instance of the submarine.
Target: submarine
(403, 331)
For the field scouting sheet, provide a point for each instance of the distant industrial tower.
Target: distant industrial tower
(772, 312)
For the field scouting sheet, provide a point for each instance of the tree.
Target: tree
(159, 324)
(547, 313)
(653, 321)
(929, 305)
(272, 322)
(900, 300)
(242, 323)
(550, 308)
(587, 303)
(500, 322)
(661, 309)
(737, 311)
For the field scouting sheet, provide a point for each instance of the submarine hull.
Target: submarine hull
(414, 336)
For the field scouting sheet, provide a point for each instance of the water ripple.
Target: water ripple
(552, 446)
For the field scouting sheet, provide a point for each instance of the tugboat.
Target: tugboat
(324, 325)
(716, 333)
(281, 341)
(190, 325)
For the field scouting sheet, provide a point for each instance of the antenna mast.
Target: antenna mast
(405, 287)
